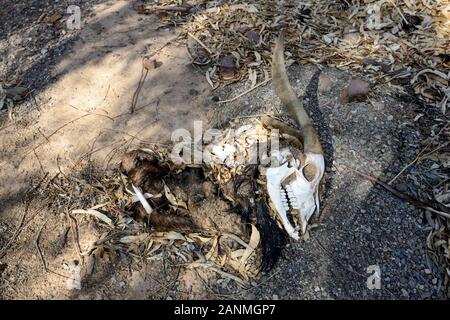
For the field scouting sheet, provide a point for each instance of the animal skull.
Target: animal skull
(293, 187)
(292, 193)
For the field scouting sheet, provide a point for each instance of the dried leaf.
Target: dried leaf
(172, 199)
(134, 239)
(96, 214)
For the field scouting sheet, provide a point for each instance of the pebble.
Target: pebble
(193, 92)
(405, 293)
(251, 296)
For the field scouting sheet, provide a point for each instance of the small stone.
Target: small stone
(356, 90)
(227, 62)
(251, 296)
(55, 18)
(405, 293)
(325, 83)
(390, 118)
(351, 35)
(252, 36)
(151, 64)
(328, 39)
(193, 92)
(434, 281)
(275, 297)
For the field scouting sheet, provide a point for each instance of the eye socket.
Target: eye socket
(309, 172)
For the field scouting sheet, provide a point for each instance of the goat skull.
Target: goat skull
(293, 193)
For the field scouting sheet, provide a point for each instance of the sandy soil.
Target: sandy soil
(80, 110)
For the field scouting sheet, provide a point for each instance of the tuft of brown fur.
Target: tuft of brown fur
(143, 169)
(165, 222)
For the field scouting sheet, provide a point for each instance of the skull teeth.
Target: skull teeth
(288, 198)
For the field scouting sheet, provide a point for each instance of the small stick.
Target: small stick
(92, 113)
(75, 234)
(420, 155)
(136, 93)
(246, 91)
(36, 243)
(283, 127)
(199, 42)
(401, 195)
(399, 11)
(154, 9)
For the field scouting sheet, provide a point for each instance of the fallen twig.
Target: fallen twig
(421, 155)
(74, 227)
(200, 43)
(444, 212)
(36, 243)
(155, 9)
(246, 91)
(136, 93)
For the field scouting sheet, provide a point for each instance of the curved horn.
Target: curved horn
(289, 99)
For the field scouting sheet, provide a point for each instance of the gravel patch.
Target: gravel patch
(362, 226)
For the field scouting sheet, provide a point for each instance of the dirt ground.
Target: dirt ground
(83, 83)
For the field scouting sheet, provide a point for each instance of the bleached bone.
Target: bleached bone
(291, 193)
